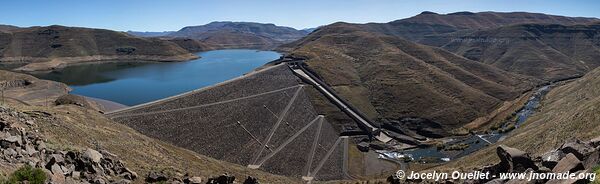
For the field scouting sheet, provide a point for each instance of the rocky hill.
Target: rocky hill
(56, 46)
(390, 78)
(544, 51)
(240, 34)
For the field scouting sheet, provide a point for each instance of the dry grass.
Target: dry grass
(78, 128)
(571, 111)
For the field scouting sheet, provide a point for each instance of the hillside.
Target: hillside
(56, 46)
(567, 112)
(544, 51)
(429, 23)
(74, 127)
(240, 34)
(390, 78)
(149, 34)
(7, 28)
(191, 44)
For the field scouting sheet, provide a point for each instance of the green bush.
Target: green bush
(26, 173)
(597, 171)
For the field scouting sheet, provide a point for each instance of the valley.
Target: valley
(339, 103)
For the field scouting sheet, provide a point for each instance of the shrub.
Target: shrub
(597, 171)
(26, 173)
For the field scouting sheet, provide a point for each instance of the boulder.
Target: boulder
(578, 148)
(251, 180)
(551, 158)
(514, 160)
(568, 164)
(193, 180)
(156, 177)
(363, 146)
(92, 155)
(223, 179)
(595, 142)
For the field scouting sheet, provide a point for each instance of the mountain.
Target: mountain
(191, 44)
(309, 30)
(391, 79)
(240, 34)
(149, 34)
(429, 23)
(544, 51)
(7, 28)
(55, 46)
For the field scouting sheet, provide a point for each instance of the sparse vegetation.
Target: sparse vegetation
(26, 174)
(597, 171)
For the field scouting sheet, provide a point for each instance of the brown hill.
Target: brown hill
(240, 34)
(58, 45)
(191, 44)
(7, 28)
(547, 52)
(391, 78)
(429, 23)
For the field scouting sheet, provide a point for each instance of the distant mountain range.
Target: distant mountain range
(149, 33)
(240, 34)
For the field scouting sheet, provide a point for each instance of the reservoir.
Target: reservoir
(133, 83)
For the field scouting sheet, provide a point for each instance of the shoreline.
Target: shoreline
(105, 105)
(46, 64)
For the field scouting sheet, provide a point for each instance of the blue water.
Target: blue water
(136, 83)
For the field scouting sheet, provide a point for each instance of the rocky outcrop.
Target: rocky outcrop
(21, 144)
(574, 157)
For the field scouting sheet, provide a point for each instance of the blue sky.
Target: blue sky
(167, 15)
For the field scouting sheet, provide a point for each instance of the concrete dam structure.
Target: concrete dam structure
(264, 120)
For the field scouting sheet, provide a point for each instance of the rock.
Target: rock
(15, 139)
(393, 180)
(92, 155)
(57, 178)
(193, 180)
(122, 181)
(551, 158)
(514, 160)
(156, 177)
(363, 146)
(496, 181)
(223, 179)
(41, 145)
(251, 180)
(580, 149)
(76, 175)
(568, 164)
(10, 152)
(55, 169)
(30, 150)
(595, 142)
